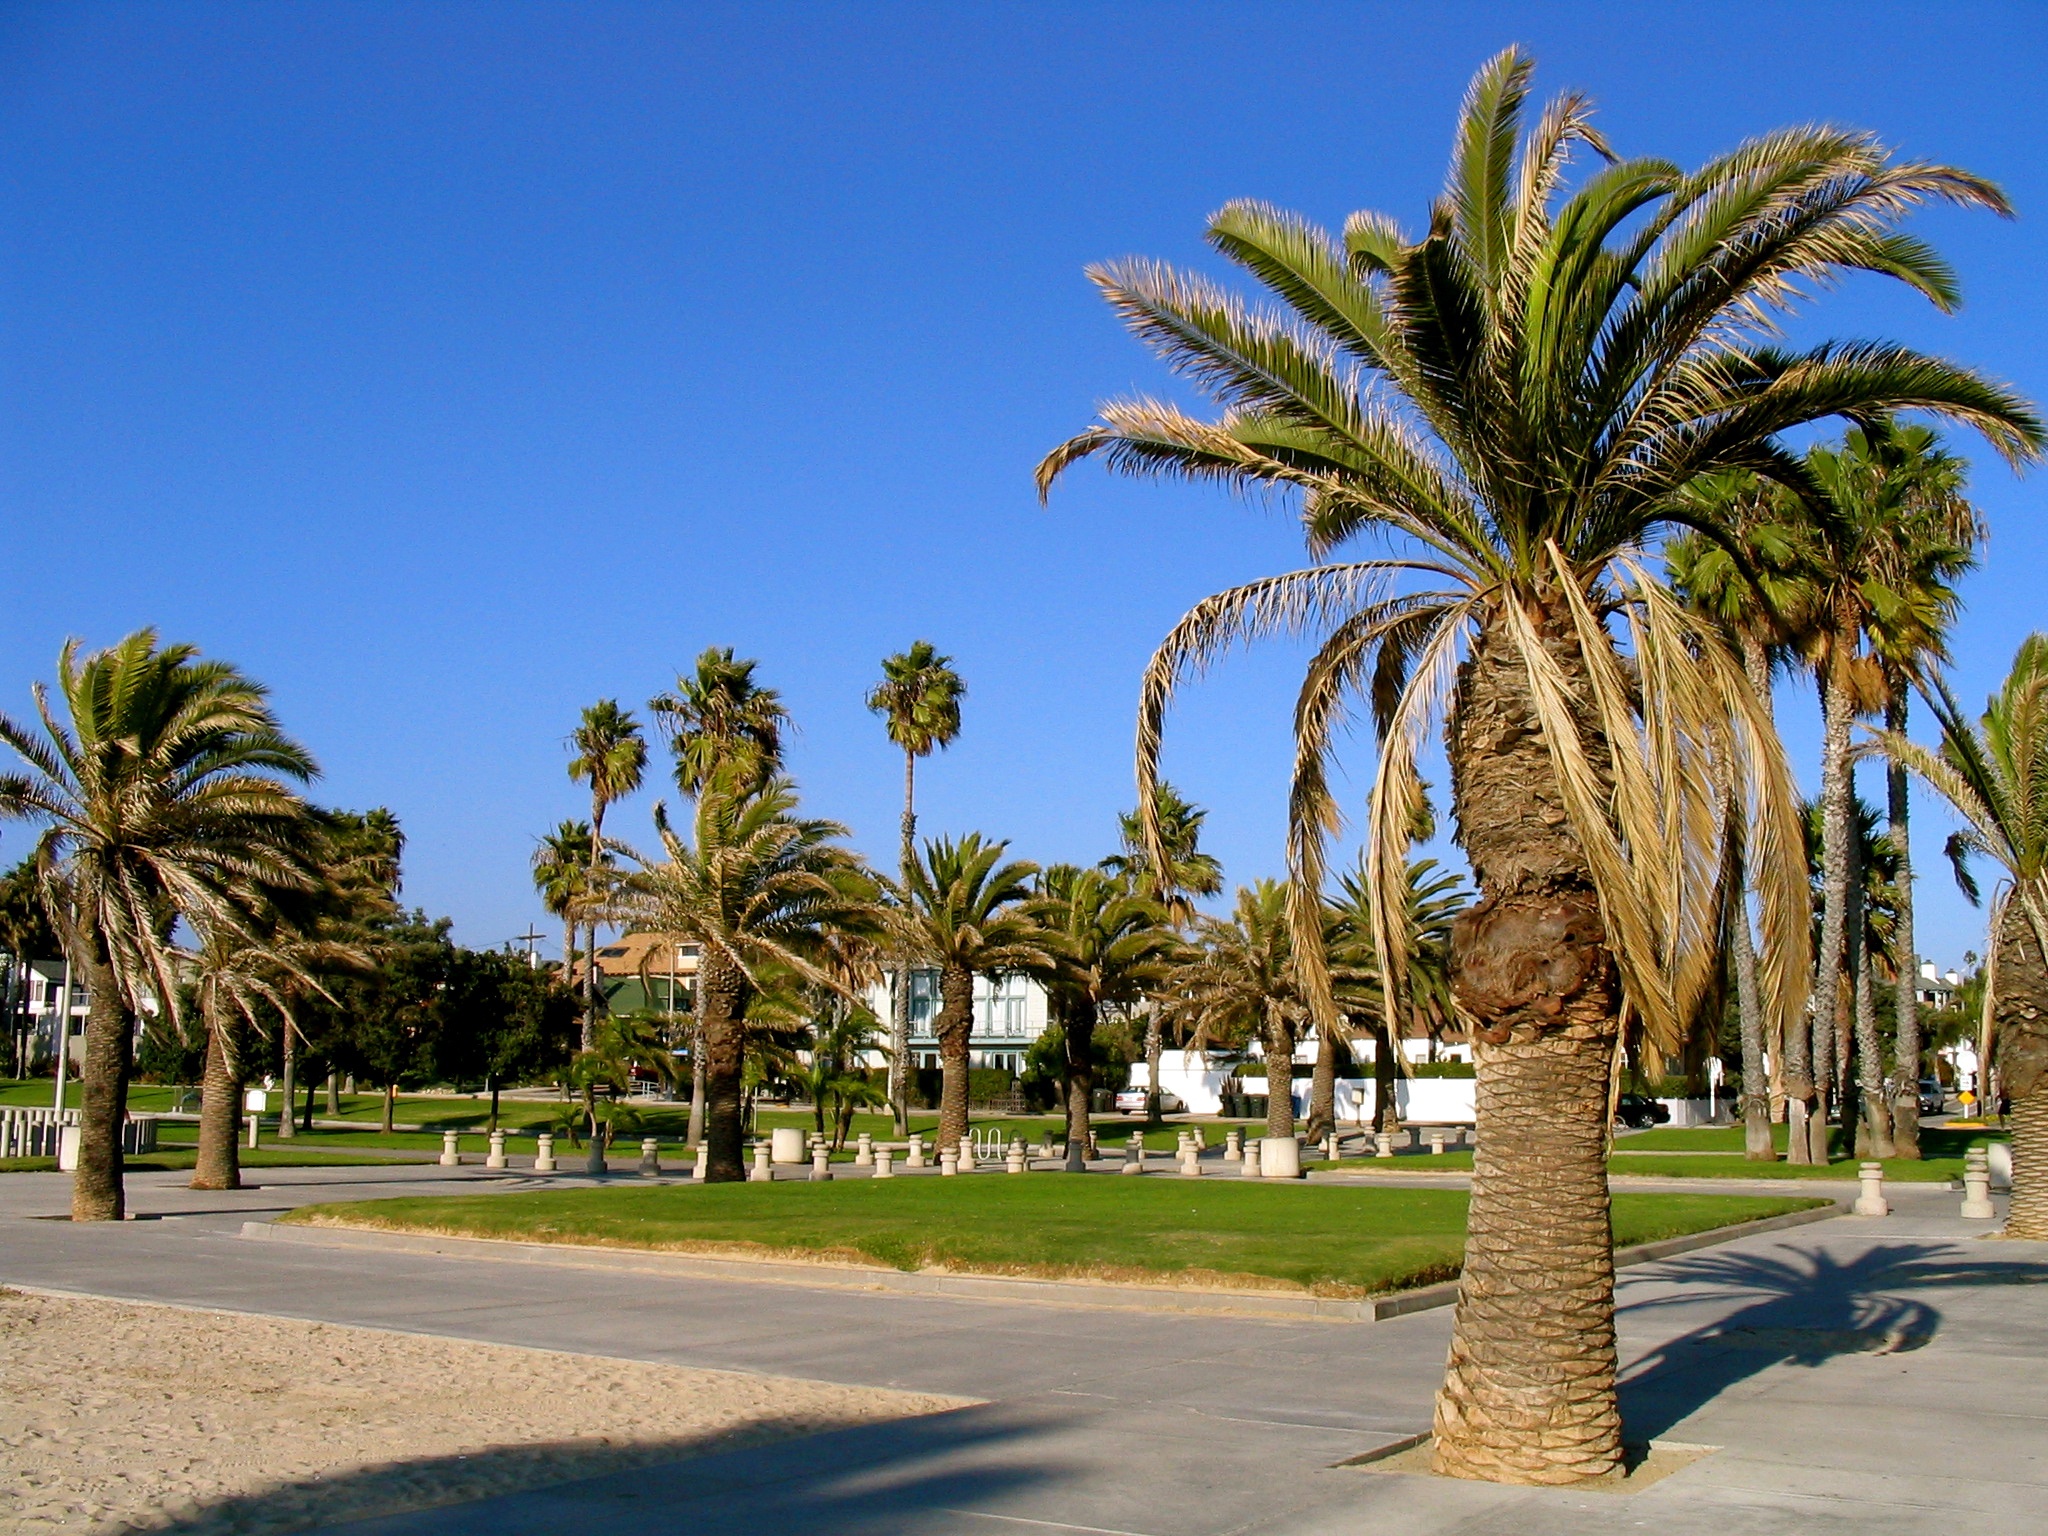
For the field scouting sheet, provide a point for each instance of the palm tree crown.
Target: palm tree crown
(919, 696)
(721, 723)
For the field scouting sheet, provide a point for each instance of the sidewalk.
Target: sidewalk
(1874, 1377)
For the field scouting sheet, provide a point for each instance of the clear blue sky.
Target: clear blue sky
(451, 366)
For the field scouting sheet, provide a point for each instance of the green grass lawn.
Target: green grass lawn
(1330, 1241)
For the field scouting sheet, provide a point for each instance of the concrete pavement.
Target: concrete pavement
(1886, 1376)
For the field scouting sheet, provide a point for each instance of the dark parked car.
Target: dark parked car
(1933, 1097)
(1636, 1110)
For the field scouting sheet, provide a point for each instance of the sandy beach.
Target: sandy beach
(116, 1416)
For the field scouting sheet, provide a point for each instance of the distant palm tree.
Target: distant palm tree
(166, 796)
(919, 695)
(964, 914)
(611, 756)
(561, 873)
(1239, 982)
(1109, 948)
(1514, 397)
(759, 890)
(1995, 774)
(722, 725)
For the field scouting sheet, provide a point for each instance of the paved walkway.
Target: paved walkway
(1872, 1377)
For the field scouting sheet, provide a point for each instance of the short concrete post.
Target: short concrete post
(963, 1154)
(949, 1162)
(1248, 1165)
(763, 1171)
(594, 1162)
(1190, 1163)
(1045, 1146)
(1134, 1153)
(703, 1163)
(1233, 1146)
(496, 1159)
(1015, 1162)
(1382, 1144)
(650, 1158)
(1998, 1163)
(883, 1158)
(544, 1153)
(1094, 1148)
(914, 1158)
(1182, 1142)
(1330, 1152)
(1436, 1141)
(821, 1162)
(255, 1129)
(864, 1151)
(450, 1158)
(1870, 1201)
(1977, 1204)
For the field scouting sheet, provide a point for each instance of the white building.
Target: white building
(50, 987)
(1010, 1012)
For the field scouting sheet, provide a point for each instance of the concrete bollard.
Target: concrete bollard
(883, 1157)
(1094, 1148)
(786, 1144)
(1998, 1163)
(1191, 1164)
(1233, 1146)
(821, 1163)
(1870, 1200)
(496, 1159)
(1382, 1144)
(544, 1153)
(963, 1153)
(1279, 1157)
(650, 1158)
(1331, 1153)
(1248, 1165)
(1134, 1154)
(703, 1163)
(1977, 1204)
(914, 1158)
(1436, 1141)
(864, 1151)
(593, 1161)
(763, 1171)
(1015, 1162)
(450, 1158)
(1045, 1150)
(949, 1162)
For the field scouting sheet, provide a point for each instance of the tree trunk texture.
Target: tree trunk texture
(1873, 1131)
(1078, 1022)
(1322, 1092)
(306, 1119)
(2022, 1057)
(96, 1189)
(218, 1164)
(1808, 1090)
(390, 1104)
(899, 1012)
(1529, 1390)
(288, 1083)
(1279, 1045)
(955, 1027)
(1155, 1048)
(589, 1039)
(1756, 1097)
(1386, 1106)
(334, 1094)
(1756, 662)
(698, 1078)
(1905, 951)
(722, 999)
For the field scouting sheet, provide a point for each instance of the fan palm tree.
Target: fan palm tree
(1517, 396)
(722, 725)
(1995, 774)
(1239, 982)
(919, 696)
(964, 913)
(1108, 948)
(165, 796)
(756, 887)
(610, 755)
(561, 873)
(1183, 871)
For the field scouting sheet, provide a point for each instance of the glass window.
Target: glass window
(924, 1001)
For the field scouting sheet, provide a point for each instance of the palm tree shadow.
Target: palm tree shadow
(1802, 1307)
(899, 1476)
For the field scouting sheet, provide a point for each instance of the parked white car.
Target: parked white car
(1131, 1101)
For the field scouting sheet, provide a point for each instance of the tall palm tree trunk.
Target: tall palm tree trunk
(1808, 1072)
(1322, 1093)
(1386, 1066)
(1155, 1053)
(721, 998)
(96, 1188)
(1279, 1074)
(1756, 1097)
(1873, 1136)
(2022, 1056)
(288, 1084)
(955, 1030)
(390, 1103)
(899, 1011)
(218, 1164)
(698, 1080)
(1529, 1392)
(333, 1095)
(1756, 663)
(1906, 955)
(1078, 1019)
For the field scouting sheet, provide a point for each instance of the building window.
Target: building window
(924, 1001)
(1004, 1008)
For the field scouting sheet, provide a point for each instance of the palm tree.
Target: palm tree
(1240, 983)
(611, 756)
(561, 873)
(164, 797)
(755, 887)
(963, 913)
(721, 724)
(919, 695)
(1109, 948)
(624, 1044)
(1517, 397)
(1995, 775)
(1183, 870)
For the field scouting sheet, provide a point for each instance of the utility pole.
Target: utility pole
(529, 939)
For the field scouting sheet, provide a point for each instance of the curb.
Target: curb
(1270, 1305)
